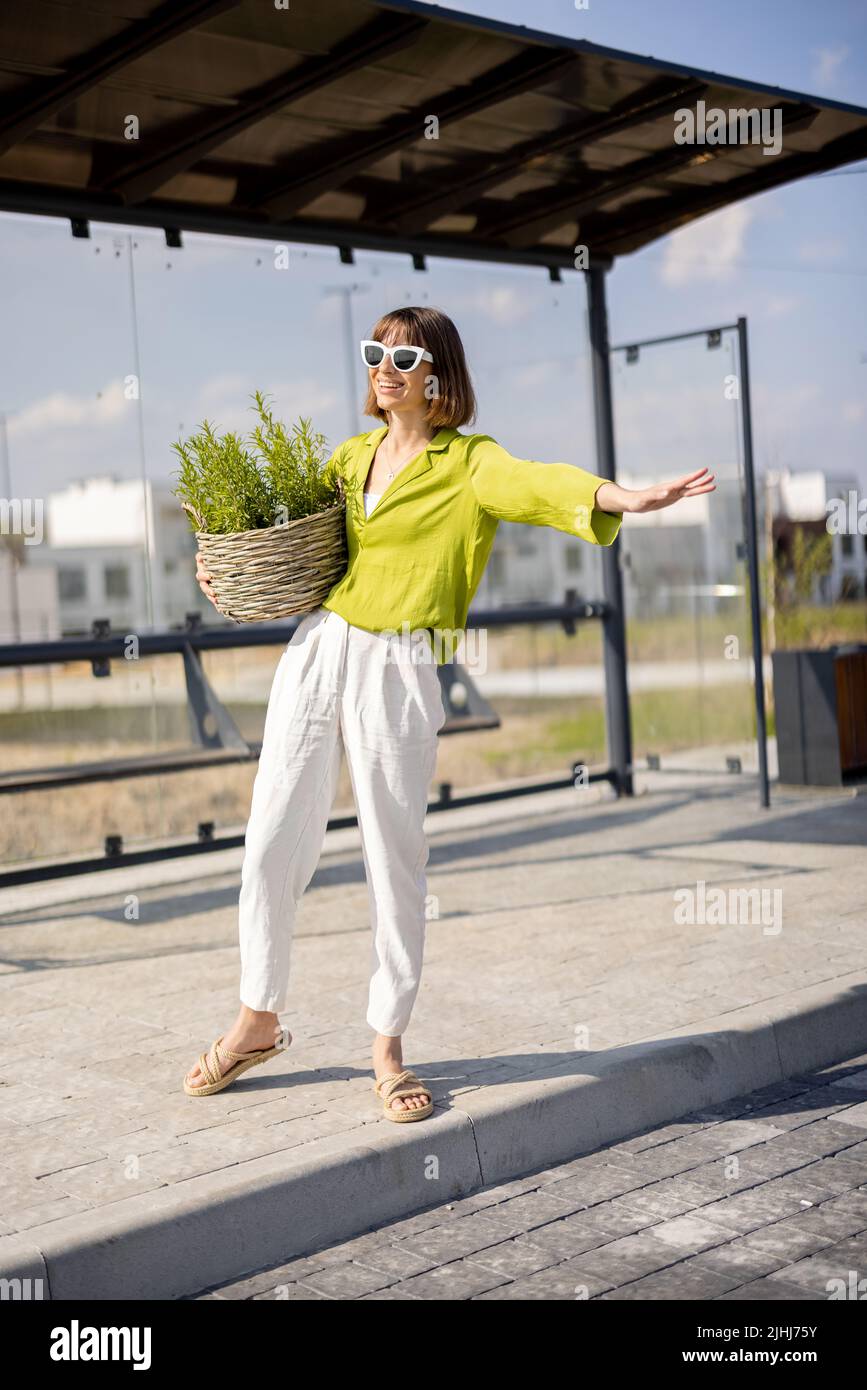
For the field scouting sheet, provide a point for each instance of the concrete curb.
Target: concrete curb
(179, 1239)
(653, 1082)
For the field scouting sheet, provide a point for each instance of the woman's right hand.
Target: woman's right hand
(204, 579)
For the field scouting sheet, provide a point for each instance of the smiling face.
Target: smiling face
(402, 392)
(435, 395)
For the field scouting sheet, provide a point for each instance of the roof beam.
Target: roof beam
(185, 144)
(25, 111)
(530, 218)
(52, 201)
(616, 230)
(285, 192)
(456, 186)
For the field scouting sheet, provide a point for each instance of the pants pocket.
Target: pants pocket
(422, 685)
(307, 622)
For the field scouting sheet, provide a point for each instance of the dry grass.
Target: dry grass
(535, 738)
(141, 710)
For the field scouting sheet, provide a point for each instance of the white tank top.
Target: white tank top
(370, 501)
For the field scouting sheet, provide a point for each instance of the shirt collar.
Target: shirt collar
(441, 440)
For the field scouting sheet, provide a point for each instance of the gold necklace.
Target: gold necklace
(390, 474)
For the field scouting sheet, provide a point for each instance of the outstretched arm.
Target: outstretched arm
(540, 494)
(611, 497)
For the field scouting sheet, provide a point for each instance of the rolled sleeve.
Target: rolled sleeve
(541, 494)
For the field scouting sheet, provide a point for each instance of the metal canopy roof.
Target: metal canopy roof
(308, 124)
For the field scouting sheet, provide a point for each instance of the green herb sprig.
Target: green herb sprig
(231, 483)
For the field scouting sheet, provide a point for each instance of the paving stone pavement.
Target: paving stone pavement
(763, 1198)
(553, 935)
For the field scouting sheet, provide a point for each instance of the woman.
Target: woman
(417, 547)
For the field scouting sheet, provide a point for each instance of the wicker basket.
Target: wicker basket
(275, 571)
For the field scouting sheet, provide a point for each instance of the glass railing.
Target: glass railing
(685, 578)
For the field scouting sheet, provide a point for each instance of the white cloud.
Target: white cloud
(62, 410)
(827, 61)
(708, 249)
(225, 400)
(853, 412)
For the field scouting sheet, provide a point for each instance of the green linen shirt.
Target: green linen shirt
(417, 560)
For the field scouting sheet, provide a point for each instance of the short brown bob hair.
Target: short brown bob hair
(454, 403)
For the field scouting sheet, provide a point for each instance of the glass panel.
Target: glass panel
(687, 602)
(116, 346)
(73, 448)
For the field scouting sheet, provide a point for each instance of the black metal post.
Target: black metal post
(751, 533)
(617, 719)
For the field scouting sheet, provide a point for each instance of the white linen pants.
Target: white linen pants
(341, 688)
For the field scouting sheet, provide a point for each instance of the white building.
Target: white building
(684, 556)
(122, 550)
(29, 608)
(531, 564)
(806, 499)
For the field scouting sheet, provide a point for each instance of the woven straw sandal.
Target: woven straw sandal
(209, 1066)
(403, 1083)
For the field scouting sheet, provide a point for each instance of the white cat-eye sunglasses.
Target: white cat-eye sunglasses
(404, 358)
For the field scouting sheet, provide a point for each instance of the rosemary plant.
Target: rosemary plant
(274, 476)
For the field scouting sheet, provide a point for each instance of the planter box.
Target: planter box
(820, 700)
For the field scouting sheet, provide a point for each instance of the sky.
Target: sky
(202, 327)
